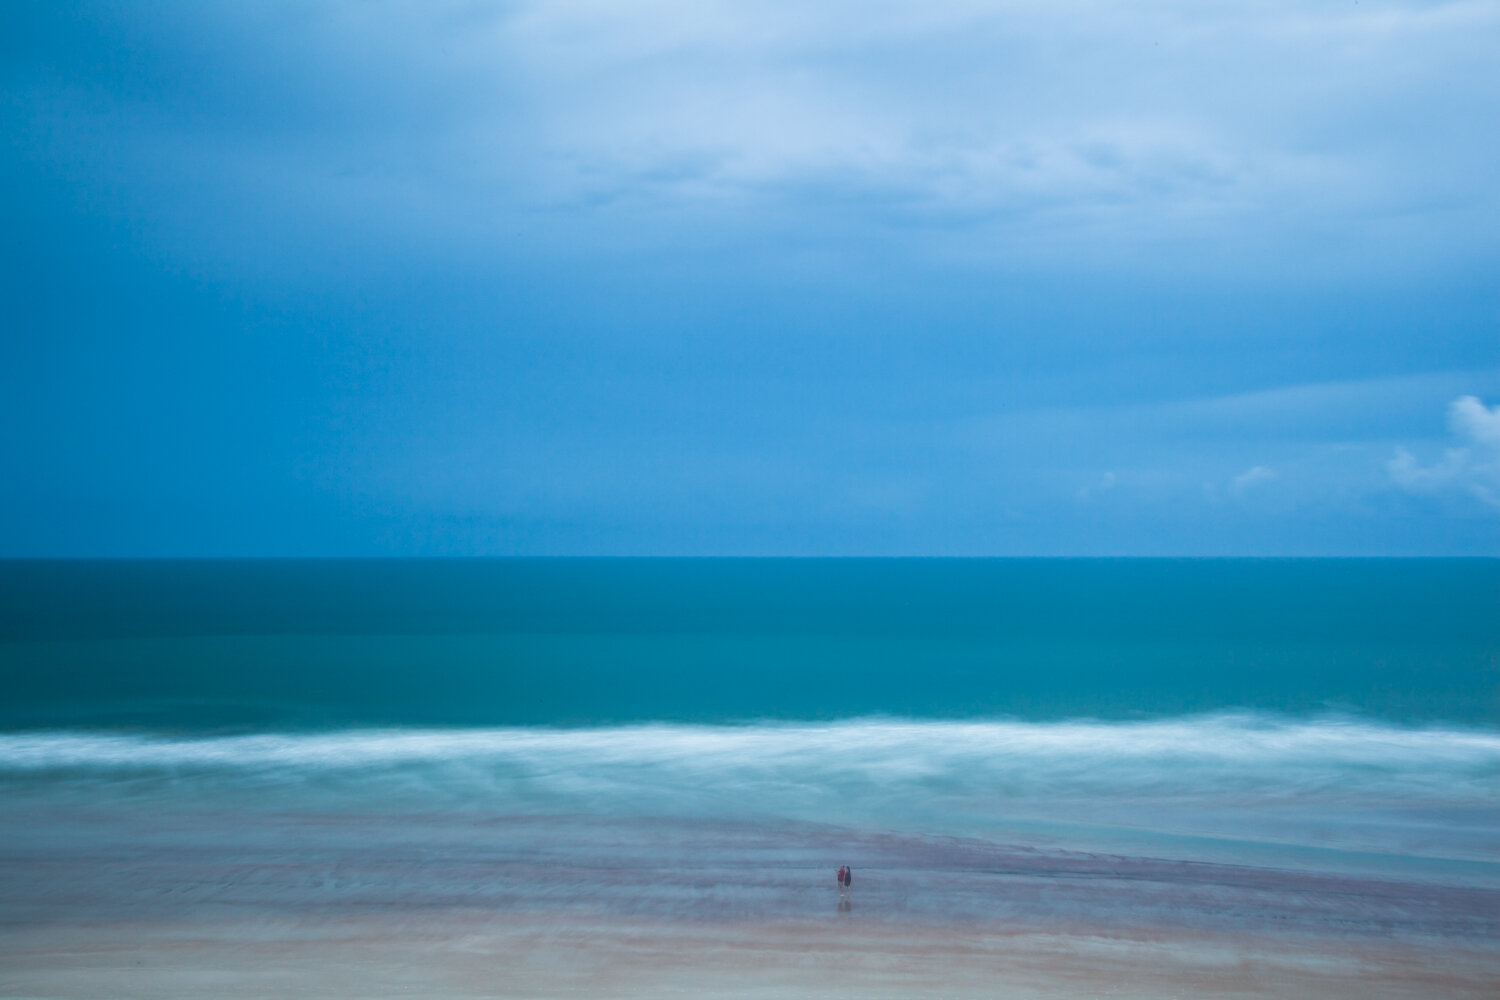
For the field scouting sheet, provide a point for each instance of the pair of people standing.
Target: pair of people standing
(844, 877)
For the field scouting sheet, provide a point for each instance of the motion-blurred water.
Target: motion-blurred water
(244, 646)
(312, 733)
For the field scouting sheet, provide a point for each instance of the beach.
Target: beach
(480, 955)
(506, 499)
(574, 908)
(639, 779)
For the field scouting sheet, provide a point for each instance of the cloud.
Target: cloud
(1471, 419)
(1106, 482)
(1185, 119)
(1017, 130)
(1250, 478)
(1472, 468)
(618, 267)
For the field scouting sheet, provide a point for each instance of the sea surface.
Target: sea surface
(1303, 748)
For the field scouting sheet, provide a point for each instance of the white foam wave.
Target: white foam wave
(1333, 781)
(1223, 741)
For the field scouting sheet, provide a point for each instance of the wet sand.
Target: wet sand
(480, 954)
(202, 904)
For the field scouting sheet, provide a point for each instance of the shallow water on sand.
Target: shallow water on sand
(99, 903)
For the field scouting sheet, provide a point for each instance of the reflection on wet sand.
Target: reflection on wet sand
(256, 904)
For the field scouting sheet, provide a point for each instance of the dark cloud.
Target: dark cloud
(578, 277)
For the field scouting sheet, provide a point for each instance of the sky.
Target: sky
(1063, 278)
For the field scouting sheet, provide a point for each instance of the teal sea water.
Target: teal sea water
(190, 737)
(236, 646)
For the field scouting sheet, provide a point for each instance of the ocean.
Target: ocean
(1278, 762)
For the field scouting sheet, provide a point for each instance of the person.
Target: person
(848, 877)
(842, 873)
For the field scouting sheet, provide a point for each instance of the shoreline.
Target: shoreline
(269, 903)
(466, 953)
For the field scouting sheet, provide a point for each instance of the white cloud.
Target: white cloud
(1170, 118)
(1470, 418)
(1106, 482)
(1472, 468)
(1071, 130)
(1250, 478)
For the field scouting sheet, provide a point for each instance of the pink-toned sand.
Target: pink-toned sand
(549, 954)
(262, 904)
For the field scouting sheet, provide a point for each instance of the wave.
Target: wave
(1337, 782)
(1227, 741)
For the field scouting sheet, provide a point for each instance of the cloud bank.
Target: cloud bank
(1471, 469)
(676, 278)
(1284, 134)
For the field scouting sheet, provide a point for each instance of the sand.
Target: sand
(545, 954)
(590, 907)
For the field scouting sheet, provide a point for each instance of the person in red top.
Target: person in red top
(843, 872)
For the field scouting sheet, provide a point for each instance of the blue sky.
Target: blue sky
(1064, 278)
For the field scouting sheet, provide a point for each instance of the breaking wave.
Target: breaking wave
(1344, 783)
